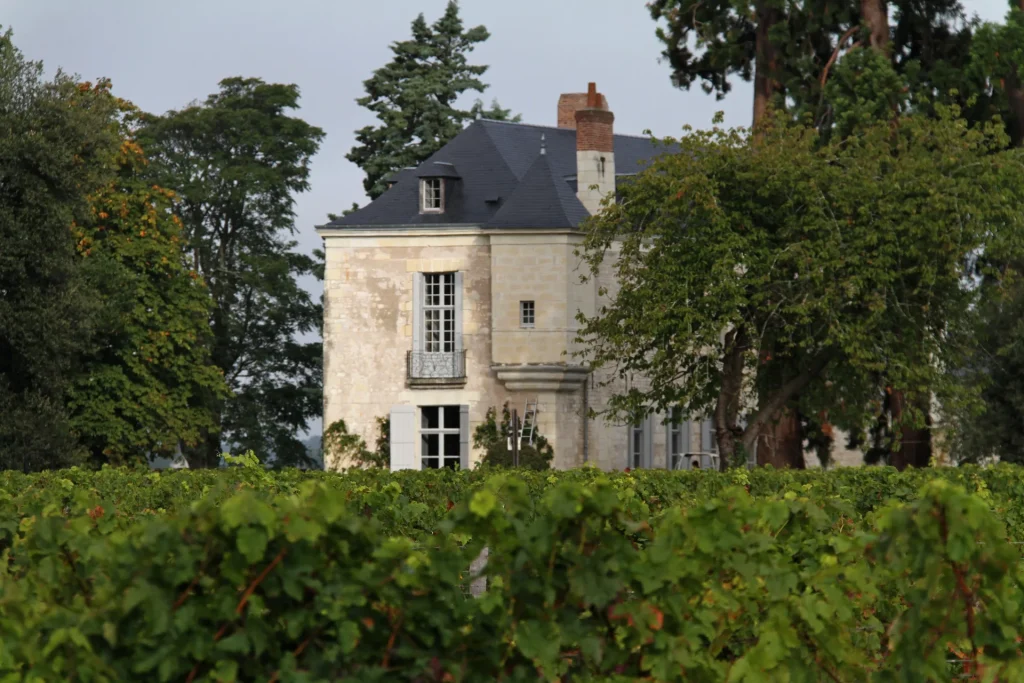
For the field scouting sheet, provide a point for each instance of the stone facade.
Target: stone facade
(373, 275)
(368, 323)
(368, 332)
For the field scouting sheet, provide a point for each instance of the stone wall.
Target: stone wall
(368, 324)
(538, 267)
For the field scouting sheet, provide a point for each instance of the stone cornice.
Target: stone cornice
(553, 377)
(325, 231)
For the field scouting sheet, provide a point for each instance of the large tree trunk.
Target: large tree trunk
(876, 15)
(915, 443)
(776, 401)
(207, 452)
(1015, 98)
(781, 441)
(782, 437)
(765, 62)
(727, 408)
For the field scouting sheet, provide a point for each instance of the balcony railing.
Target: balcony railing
(436, 368)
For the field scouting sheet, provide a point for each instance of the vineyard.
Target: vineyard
(860, 574)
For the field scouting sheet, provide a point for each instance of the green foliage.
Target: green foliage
(414, 97)
(493, 438)
(996, 371)
(714, 43)
(56, 145)
(853, 575)
(135, 394)
(343, 448)
(495, 112)
(848, 255)
(997, 61)
(236, 162)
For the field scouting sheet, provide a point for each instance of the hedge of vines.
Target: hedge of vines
(247, 575)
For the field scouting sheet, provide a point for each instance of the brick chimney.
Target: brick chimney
(595, 150)
(569, 102)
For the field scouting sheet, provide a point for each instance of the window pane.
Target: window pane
(430, 463)
(451, 417)
(451, 463)
(431, 189)
(451, 445)
(449, 289)
(429, 417)
(430, 445)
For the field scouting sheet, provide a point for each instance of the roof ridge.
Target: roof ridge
(524, 196)
(550, 127)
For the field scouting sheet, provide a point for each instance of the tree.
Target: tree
(55, 146)
(495, 112)
(414, 97)
(850, 255)
(998, 61)
(341, 446)
(997, 371)
(493, 439)
(236, 162)
(996, 429)
(138, 391)
(790, 50)
(794, 53)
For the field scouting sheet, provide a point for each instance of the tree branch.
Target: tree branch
(788, 390)
(835, 53)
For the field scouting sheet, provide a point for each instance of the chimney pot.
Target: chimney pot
(570, 103)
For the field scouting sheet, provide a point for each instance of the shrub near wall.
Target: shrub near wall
(589, 575)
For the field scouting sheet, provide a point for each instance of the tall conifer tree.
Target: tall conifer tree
(415, 97)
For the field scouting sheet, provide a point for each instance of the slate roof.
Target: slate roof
(502, 180)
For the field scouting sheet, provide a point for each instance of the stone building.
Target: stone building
(457, 290)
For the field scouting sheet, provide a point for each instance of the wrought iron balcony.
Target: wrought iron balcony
(440, 369)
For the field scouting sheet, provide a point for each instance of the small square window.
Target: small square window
(432, 195)
(527, 314)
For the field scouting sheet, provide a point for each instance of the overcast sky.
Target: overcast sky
(163, 55)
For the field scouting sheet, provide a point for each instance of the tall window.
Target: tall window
(708, 438)
(439, 312)
(636, 445)
(527, 313)
(439, 436)
(432, 195)
(676, 435)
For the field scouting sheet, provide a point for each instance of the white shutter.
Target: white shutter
(417, 312)
(685, 428)
(458, 311)
(464, 437)
(403, 438)
(707, 435)
(647, 457)
(629, 445)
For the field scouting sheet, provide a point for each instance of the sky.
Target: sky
(164, 55)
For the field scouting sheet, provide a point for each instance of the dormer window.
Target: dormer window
(432, 195)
